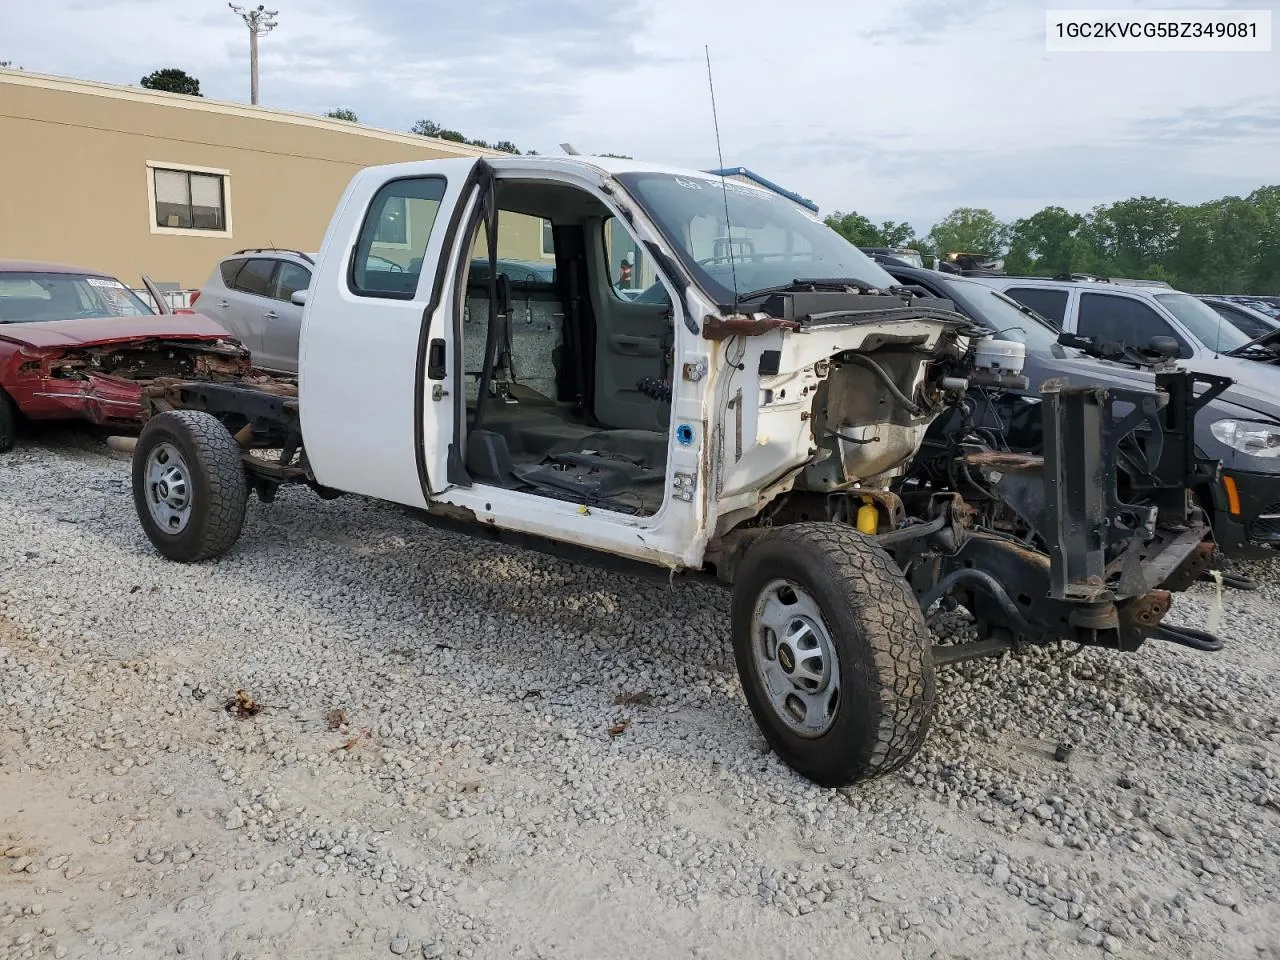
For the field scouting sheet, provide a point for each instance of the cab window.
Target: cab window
(387, 259)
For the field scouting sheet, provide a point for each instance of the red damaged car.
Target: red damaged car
(76, 344)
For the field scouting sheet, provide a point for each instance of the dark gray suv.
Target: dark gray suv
(1241, 428)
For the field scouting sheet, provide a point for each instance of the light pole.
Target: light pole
(260, 22)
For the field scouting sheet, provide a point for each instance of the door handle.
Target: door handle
(435, 361)
(271, 315)
(224, 303)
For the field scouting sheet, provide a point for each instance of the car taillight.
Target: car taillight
(194, 297)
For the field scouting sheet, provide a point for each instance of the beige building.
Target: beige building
(130, 181)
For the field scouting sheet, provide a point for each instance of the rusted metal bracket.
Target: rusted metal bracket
(721, 328)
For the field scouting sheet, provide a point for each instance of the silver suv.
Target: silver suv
(1136, 312)
(257, 294)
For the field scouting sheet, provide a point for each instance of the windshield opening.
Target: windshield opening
(768, 240)
(33, 297)
(1203, 322)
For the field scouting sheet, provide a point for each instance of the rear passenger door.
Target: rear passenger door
(1050, 304)
(282, 318)
(221, 304)
(248, 302)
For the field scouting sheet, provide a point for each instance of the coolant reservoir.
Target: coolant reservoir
(1004, 357)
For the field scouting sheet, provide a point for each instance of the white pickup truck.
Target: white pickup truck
(761, 423)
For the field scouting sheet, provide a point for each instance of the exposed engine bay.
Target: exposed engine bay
(103, 383)
(1085, 543)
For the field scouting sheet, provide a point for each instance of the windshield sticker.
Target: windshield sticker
(104, 284)
(688, 184)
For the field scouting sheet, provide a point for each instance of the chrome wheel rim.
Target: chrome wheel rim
(795, 658)
(168, 488)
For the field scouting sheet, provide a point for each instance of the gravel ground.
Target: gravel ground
(467, 751)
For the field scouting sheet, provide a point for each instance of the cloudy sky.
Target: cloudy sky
(898, 110)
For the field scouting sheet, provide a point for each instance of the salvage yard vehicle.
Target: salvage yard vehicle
(79, 345)
(253, 294)
(1233, 427)
(1245, 317)
(754, 425)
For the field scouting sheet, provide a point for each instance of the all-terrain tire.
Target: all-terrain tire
(879, 637)
(218, 487)
(8, 422)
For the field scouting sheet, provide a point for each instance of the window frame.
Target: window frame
(1058, 321)
(408, 295)
(225, 175)
(542, 239)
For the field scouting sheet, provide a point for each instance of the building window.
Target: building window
(194, 200)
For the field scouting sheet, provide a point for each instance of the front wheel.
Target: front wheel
(189, 485)
(833, 651)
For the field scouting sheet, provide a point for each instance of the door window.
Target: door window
(1106, 316)
(255, 278)
(631, 274)
(289, 279)
(1050, 304)
(387, 259)
(229, 269)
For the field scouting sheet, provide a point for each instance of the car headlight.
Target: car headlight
(1247, 436)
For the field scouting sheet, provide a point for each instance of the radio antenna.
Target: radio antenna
(724, 187)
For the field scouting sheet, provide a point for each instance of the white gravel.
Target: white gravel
(537, 760)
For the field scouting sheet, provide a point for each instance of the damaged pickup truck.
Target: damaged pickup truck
(758, 423)
(79, 345)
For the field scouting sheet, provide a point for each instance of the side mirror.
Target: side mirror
(1164, 346)
(299, 297)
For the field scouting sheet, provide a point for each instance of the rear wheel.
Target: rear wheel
(833, 651)
(8, 422)
(189, 485)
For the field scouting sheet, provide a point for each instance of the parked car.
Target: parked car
(751, 430)
(257, 294)
(1243, 316)
(1262, 304)
(1240, 428)
(1122, 312)
(79, 344)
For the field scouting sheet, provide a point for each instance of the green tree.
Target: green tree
(506, 146)
(855, 228)
(1264, 275)
(898, 235)
(343, 113)
(968, 230)
(1217, 246)
(172, 80)
(1131, 238)
(1046, 242)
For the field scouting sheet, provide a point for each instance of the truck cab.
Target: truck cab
(469, 350)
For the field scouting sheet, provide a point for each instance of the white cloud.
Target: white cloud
(901, 111)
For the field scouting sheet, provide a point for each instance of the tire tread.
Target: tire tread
(897, 652)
